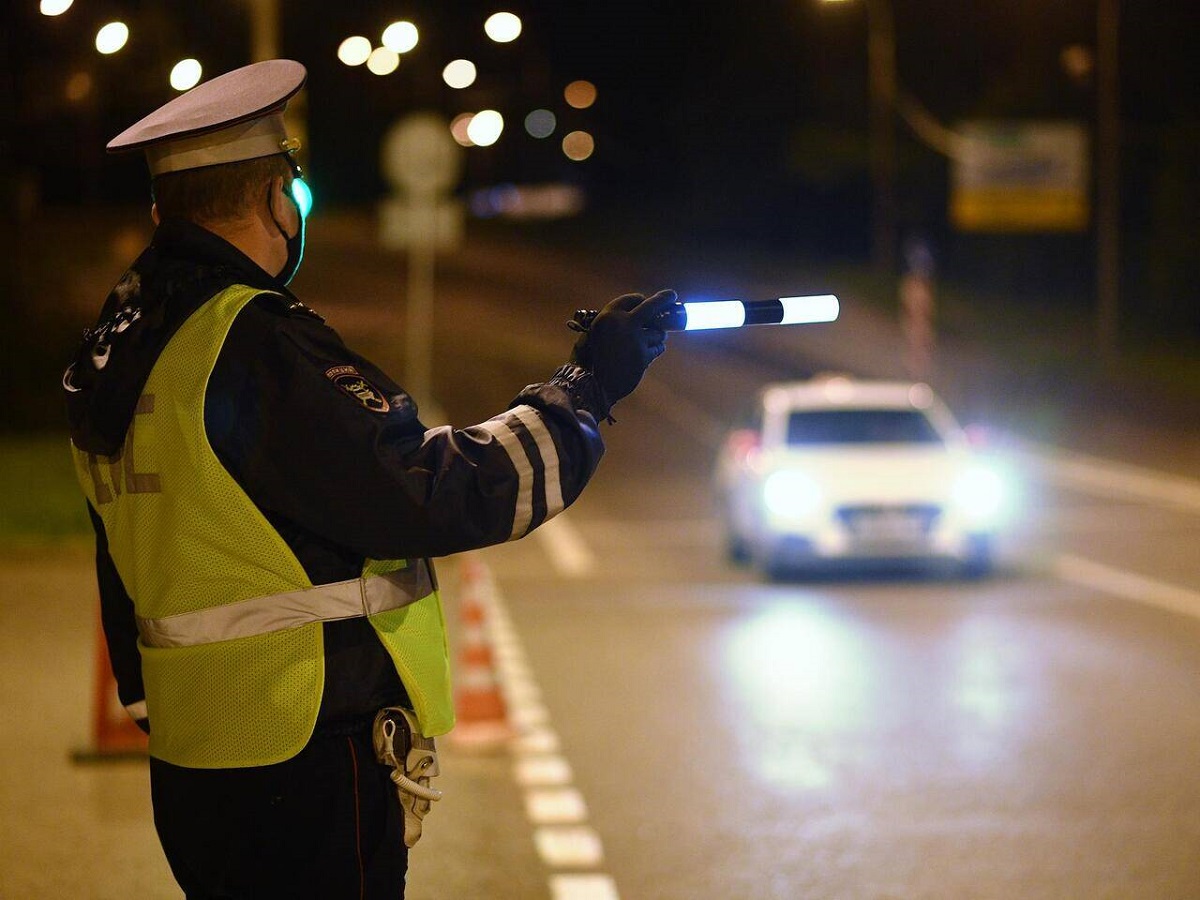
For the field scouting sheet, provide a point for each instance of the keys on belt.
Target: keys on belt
(412, 758)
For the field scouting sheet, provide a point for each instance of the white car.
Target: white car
(839, 469)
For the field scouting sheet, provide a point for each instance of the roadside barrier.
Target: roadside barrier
(114, 734)
(482, 715)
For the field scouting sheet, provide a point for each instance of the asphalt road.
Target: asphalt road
(694, 731)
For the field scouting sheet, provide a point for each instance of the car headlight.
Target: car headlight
(791, 495)
(980, 495)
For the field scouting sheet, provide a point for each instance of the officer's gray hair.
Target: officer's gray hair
(220, 193)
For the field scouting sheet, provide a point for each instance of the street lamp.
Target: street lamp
(186, 74)
(1108, 177)
(502, 27)
(112, 37)
(400, 37)
(881, 66)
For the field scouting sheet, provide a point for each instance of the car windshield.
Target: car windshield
(860, 426)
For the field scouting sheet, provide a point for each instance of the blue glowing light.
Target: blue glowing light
(302, 194)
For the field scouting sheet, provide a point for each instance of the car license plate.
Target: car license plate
(889, 527)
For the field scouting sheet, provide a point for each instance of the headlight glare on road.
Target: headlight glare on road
(791, 495)
(980, 495)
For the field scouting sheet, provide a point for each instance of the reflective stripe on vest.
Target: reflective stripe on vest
(275, 612)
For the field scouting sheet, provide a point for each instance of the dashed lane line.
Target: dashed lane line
(568, 551)
(569, 847)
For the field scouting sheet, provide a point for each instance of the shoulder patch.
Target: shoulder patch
(352, 383)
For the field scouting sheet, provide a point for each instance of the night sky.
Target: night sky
(730, 117)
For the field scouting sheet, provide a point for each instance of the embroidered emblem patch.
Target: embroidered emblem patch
(351, 383)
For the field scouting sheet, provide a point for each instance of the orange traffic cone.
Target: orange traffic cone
(482, 716)
(114, 734)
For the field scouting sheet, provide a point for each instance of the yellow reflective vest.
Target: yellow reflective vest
(229, 624)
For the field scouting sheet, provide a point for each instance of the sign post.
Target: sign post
(423, 163)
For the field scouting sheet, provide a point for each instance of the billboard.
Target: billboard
(1020, 176)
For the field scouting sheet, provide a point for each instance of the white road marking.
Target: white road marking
(522, 690)
(555, 808)
(542, 771)
(529, 715)
(568, 551)
(536, 741)
(1127, 585)
(1108, 478)
(569, 846)
(583, 887)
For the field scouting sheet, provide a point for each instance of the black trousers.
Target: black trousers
(325, 824)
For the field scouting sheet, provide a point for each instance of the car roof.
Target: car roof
(842, 392)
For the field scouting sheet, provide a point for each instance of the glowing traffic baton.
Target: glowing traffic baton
(705, 314)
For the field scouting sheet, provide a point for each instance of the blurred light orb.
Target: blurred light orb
(354, 50)
(502, 27)
(383, 61)
(578, 146)
(580, 94)
(186, 74)
(485, 127)
(459, 73)
(54, 7)
(1077, 61)
(540, 123)
(400, 37)
(458, 129)
(79, 87)
(112, 37)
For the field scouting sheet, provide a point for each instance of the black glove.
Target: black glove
(622, 342)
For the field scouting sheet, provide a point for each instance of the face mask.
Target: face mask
(295, 253)
(299, 194)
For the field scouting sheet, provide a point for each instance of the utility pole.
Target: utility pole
(1108, 178)
(881, 63)
(264, 30)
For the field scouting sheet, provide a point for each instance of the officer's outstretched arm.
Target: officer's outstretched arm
(321, 438)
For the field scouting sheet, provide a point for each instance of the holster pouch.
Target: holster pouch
(412, 758)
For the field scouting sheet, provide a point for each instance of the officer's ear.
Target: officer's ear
(283, 210)
(154, 214)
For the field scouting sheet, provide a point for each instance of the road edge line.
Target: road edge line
(572, 852)
(1127, 585)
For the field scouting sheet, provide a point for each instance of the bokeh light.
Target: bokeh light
(54, 7)
(186, 74)
(354, 50)
(79, 87)
(459, 73)
(485, 127)
(580, 94)
(1077, 61)
(458, 129)
(578, 145)
(540, 123)
(112, 37)
(502, 27)
(383, 61)
(400, 37)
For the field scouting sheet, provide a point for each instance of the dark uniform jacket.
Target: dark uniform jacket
(326, 445)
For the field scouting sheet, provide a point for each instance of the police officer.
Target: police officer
(266, 503)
